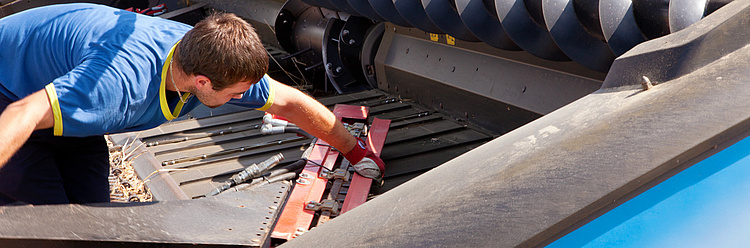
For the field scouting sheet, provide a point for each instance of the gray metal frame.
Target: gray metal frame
(549, 177)
(495, 89)
(241, 218)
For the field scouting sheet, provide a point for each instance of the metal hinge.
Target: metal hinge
(336, 174)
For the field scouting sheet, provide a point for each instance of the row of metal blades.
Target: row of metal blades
(590, 32)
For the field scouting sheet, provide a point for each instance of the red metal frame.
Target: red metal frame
(294, 219)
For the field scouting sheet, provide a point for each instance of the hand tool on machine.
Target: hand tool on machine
(252, 171)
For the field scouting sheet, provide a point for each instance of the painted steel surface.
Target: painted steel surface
(295, 219)
(706, 205)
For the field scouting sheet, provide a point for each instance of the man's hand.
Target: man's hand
(365, 162)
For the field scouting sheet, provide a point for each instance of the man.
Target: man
(74, 72)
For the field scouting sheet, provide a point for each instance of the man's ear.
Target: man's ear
(202, 82)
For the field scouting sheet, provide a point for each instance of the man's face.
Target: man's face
(212, 98)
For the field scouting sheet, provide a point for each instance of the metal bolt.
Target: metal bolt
(646, 83)
(302, 181)
(304, 175)
(351, 41)
(255, 240)
(329, 65)
(345, 32)
(339, 69)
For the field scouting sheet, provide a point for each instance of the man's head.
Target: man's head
(225, 49)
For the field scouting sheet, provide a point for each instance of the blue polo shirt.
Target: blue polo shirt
(103, 68)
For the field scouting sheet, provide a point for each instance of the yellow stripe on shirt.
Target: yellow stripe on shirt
(271, 94)
(55, 105)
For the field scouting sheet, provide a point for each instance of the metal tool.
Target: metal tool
(248, 173)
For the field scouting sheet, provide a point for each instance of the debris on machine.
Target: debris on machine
(124, 184)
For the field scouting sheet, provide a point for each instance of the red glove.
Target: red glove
(365, 162)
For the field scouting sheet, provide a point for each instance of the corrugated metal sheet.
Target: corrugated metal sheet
(196, 154)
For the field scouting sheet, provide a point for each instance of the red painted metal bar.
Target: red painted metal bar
(294, 215)
(359, 188)
(294, 219)
(350, 111)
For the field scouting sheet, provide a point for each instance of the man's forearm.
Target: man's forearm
(19, 120)
(316, 119)
(311, 116)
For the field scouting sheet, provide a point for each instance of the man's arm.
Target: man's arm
(20, 119)
(311, 116)
(316, 119)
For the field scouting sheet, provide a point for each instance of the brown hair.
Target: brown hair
(224, 48)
